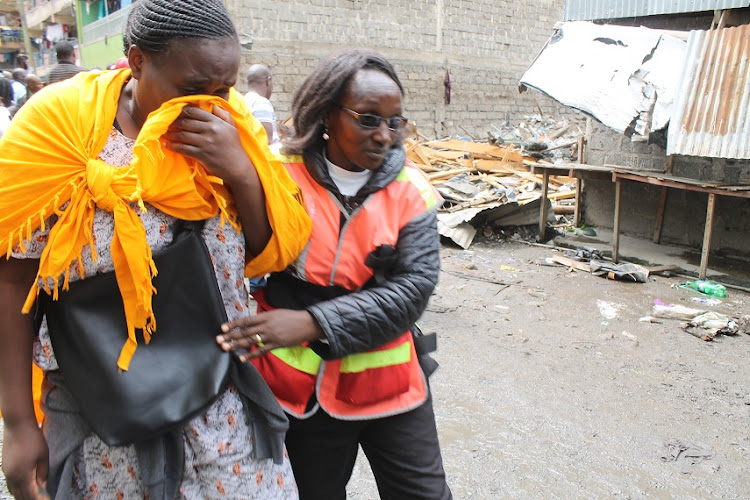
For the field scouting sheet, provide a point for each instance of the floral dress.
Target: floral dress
(219, 458)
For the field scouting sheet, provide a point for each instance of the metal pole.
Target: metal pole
(20, 5)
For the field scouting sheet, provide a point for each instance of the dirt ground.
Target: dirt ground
(542, 393)
(541, 396)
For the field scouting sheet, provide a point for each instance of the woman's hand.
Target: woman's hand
(269, 330)
(25, 459)
(213, 140)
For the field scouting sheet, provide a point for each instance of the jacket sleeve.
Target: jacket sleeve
(376, 315)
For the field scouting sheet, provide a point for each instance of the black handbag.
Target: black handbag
(171, 379)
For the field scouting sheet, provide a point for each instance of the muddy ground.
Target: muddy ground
(542, 394)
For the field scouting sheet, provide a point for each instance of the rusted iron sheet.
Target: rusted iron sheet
(589, 10)
(710, 115)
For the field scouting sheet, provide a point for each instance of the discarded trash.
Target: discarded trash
(707, 287)
(623, 272)
(582, 231)
(708, 302)
(715, 322)
(571, 263)
(702, 324)
(648, 319)
(743, 325)
(584, 253)
(608, 309)
(685, 454)
(675, 311)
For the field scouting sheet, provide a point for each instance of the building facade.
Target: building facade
(101, 23)
(46, 23)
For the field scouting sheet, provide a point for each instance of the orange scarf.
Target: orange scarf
(49, 157)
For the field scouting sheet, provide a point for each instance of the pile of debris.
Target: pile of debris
(541, 138)
(486, 185)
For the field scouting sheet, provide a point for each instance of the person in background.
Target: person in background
(23, 61)
(260, 82)
(19, 85)
(73, 146)
(6, 97)
(66, 63)
(335, 338)
(33, 85)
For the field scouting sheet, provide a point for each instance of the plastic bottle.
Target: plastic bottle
(707, 287)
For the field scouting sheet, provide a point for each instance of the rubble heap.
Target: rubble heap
(488, 185)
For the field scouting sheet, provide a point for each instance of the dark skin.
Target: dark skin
(25, 452)
(350, 147)
(194, 67)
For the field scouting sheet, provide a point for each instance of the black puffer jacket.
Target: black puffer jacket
(379, 312)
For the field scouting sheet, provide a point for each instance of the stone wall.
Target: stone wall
(486, 44)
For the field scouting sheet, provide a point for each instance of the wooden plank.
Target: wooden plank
(562, 195)
(498, 166)
(445, 174)
(479, 148)
(418, 153)
(426, 168)
(577, 212)
(660, 214)
(543, 208)
(492, 181)
(669, 166)
(707, 231)
(662, 269)
(568, 262)
(531, 177)
(443, 155)
(683, 183)
(563, 209)
(616, 225)
(579, 182)
(548, 169)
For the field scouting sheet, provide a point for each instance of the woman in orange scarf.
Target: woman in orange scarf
(94, 174)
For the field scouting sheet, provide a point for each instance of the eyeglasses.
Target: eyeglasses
(373, 121)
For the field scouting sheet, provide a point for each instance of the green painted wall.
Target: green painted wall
(90, 12)
(106, 48)
(102, 53)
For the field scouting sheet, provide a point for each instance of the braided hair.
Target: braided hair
(6, 92)
(320, 94)
(153, 24)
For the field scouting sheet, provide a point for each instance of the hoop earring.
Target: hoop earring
(325, 135)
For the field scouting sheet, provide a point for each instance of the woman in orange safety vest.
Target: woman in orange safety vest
(335, 338)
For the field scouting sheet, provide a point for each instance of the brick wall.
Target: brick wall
(486, 44)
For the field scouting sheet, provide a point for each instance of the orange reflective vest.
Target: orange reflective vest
(380, 382)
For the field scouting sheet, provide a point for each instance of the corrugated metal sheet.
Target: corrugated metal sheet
(589, 10)
(711, 116)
